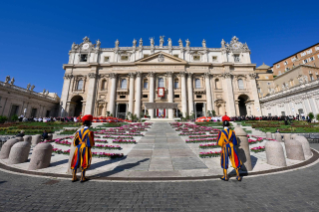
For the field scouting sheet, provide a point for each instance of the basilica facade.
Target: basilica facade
(159, 80)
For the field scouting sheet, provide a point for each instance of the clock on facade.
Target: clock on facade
(85, 46)
(235, 46)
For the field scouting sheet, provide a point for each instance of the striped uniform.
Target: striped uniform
(82, 155)
(227, 140)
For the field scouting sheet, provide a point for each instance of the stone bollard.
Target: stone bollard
(6, 148)
(27, 138)
(19, 152)
(294, 136)
(287, 137)
(36, 139)
(269, 135)
(50, 137)
(275, 153)
(41, 156)
(243, 148)
(294, 150)
(305, 145)
(20, 138)
(278, 137)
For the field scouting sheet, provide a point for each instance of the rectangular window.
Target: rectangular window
(236, 58)
(196, 58)
(293, 59)
(278, 66)
(283, 113)
(47, 113)
(309, 51)
(311, 77)
(124, 58)
(285, 63)
(145, 55)
(84, 58)
(176, 55)
(214, 58)
(122, 97)
(14, 110)
(312, 58)
(106, 59)
(317, 48)
(145, 96)
(303, 54)
(145, 85)
(176, 96)
(305, 61)
(198, 96)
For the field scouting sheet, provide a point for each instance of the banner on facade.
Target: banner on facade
(160, 92)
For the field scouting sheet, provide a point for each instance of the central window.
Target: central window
(84, 58)
(176, 84)
(160, 82)
(124, 58)
(236, 58)
(145, 84)
(123, 84)
(197, 83)
(241, 84)
(80, 85)
(196, 58)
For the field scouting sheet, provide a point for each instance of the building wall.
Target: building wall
(310, 54)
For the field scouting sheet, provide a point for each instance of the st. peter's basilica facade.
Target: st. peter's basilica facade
(159, 80)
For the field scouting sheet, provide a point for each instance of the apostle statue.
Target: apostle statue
(169, 42)
(12, 81)
(134, 43)
(117, 43)
(180, 43)
(161, 41)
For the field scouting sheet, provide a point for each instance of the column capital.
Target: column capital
(207, 75)
(190, 74)
(113, 75)
(182, 74)
(227, 75)
(68, 76)
(151, 74)
(131, 75)
(169, 74)
(92, 75)
(253, 75)
(138, 74)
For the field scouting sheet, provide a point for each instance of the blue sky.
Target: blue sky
(36, 36)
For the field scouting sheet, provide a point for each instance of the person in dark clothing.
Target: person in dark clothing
(21, 134)
(45, 135)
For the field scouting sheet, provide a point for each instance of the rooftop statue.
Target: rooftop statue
(141, 42)
(117, 43)
(98, 43)
(12, 81)
(134, 43)
(86, 39)
(161, 41)
(7, 79)
(28, 86)
(188, 43)
(169, 42)
(152, 41)
(223, 43)
(204, 43)
(180, 43)
(32, 87)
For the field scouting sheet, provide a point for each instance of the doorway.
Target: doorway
(161, 113)
(199, 109)
(242, 105)
(121, 111)
(76, 106)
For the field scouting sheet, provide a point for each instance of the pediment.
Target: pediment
(159, 58)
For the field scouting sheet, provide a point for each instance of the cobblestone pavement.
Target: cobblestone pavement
(290, 191)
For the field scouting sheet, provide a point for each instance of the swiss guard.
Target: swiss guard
(83, 141)
(227, 140)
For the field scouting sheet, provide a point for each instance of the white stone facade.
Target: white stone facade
(102, 81)
(18, 101)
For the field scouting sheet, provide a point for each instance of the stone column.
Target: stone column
(230, 95)
(170, 94)
(111, 103)
(131, 97)
(138, 95)
(237, 108)
(151, 93)
(64, 96)
(208, 93)
(255, 94)
(184, 96)
(90, 95)
(190, 94)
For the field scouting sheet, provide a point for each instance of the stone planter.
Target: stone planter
(19, 152)
(275, 153)
(41, 156)
(294, 150)
(6, 148)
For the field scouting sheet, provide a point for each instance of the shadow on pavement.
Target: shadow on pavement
(56, 163)
(106, 162)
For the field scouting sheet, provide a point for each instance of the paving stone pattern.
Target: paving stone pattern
(295, 191)
(161, 149)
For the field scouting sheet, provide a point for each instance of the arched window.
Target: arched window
(160, 82)
(79, 85)
(217, 84)
(241, 84)
(123, 84)
(197, 83)
(145, 84)
(103, 84)
(176, 84)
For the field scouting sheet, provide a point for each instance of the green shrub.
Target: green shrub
(14, 118)
(311, 115)
(317, 117)
(3, 119)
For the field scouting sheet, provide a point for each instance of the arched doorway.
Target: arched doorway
(242, 104)
(76, 106)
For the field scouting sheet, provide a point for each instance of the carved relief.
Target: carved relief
(92, 75)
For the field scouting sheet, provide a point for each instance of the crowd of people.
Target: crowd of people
(48, 119)
(289, 118)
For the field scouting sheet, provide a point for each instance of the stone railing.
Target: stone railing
(292, 90)
(25, 91)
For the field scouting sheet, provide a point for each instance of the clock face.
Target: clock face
(235, 46)
(85, 46)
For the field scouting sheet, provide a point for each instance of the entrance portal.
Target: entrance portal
(121, 111)
(161, 113)
(242, 105)
(199, 110)
(76, 106)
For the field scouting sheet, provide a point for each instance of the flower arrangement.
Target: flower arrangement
(202, 136)
(208, 146)
(100, 141)
(258, 149)
(122, 141)
(99, 146)
(200, 140)
(209, 154)
(60, 151)
(65, 143)
(107, 155)
(192, 133)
